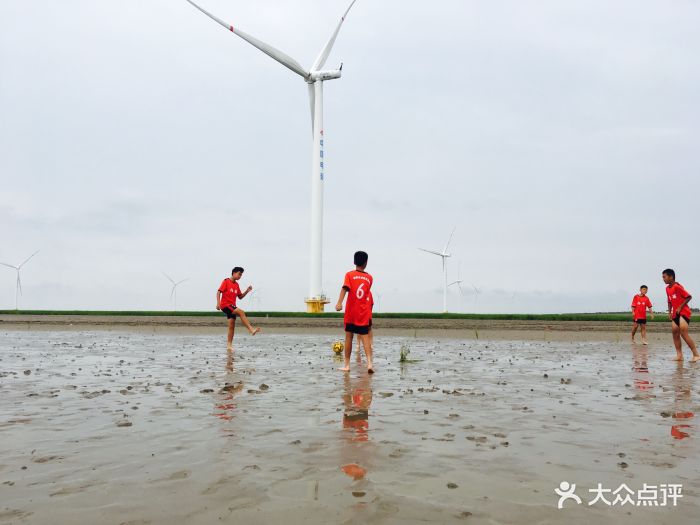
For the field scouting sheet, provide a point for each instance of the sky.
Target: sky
(559, 138)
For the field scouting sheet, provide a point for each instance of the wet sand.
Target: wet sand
(477, 329)
(130, 427)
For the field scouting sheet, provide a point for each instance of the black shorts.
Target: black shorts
(359, 330)
(640, 321)
(229, 312)
(677, 319)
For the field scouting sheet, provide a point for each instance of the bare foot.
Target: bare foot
(254, 331)
(645, 342)
(345, 369)
(677, 358)
(370, 370)
(633, 341)
(695, 359)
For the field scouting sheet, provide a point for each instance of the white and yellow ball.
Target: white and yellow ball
(338, 347)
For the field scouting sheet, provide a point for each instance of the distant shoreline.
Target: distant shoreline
(593, 317)
(461, 326)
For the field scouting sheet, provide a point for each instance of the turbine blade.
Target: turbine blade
(8, 265)
(449, 240)
(172, 291)
(270, 51)
(27, 259)
(431, 251)
(323, 56)
(168, 277)
(180, 282)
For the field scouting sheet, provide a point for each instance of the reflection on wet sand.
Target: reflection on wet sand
(357, 399)
(225, 406)
(681, 384)
(640, 367)
(682, 388)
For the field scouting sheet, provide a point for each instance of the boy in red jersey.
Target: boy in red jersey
(679, 313)
(226, 296)
(358, 310)
(640, 305)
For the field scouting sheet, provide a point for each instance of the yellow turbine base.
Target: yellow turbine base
(314, 305)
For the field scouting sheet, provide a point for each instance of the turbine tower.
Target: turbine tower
(18, 287)
(173, 292)
(444, 254)
(314, 77)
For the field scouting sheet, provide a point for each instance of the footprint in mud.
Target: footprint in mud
(180, 474)
(8, 514)
(230, 481)
(314, 447)
(46, 459)
(232, 388)
(72, 490)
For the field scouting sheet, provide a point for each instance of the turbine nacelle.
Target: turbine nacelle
(329, 74)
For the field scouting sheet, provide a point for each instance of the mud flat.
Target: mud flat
(131, 427)
(475, 329)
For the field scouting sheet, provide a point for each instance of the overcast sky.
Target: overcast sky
(561, 138)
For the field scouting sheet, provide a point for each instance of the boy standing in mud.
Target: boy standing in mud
(640, 304)
(679, 313)
(358, 309)
(226, 296)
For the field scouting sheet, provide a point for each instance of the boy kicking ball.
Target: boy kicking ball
(358, 309)
(226, 296)
(679, 313)
(640, 304)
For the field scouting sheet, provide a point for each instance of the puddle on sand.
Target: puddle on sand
(129, 427)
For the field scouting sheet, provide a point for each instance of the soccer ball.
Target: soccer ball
(338, 347)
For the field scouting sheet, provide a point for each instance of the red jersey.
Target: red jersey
(229, 292)
(358, 309)
(640, 303)
(676, 295)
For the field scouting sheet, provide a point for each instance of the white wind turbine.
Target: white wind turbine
(18, 287)
(458, 282)
(476, 293)
(255, 299)
(173, 292)
(314, 77)
(444, 254)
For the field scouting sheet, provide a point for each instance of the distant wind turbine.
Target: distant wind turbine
(255, 299)
(458, 282)
(444, 254)
(173, 292)
(476, 292)
(314, 78)
(18, 288)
